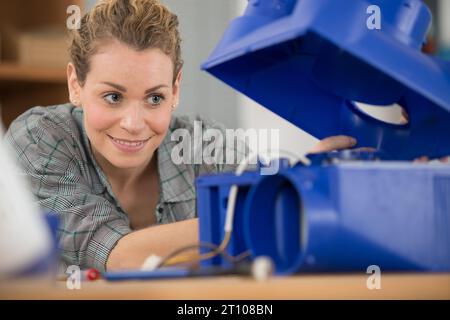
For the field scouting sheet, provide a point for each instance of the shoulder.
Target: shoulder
(212, 147)
(197, 129)
(52, 121)
(41, 131)
(192, 123)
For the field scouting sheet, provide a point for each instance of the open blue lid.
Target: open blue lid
(311, 61)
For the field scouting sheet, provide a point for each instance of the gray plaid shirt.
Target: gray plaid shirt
(53, 149)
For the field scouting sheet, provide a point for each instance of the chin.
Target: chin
(128, 163)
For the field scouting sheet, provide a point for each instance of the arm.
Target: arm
(131, 251)
(61, 181)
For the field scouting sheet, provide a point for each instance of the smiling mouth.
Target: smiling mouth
(129, 143)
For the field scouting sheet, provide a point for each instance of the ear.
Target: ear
(176, 89)
(73, 85)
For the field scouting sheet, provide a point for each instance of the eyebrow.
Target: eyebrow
(123, 89)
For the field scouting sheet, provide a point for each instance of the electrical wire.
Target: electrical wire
(213, 247)
(174, 259)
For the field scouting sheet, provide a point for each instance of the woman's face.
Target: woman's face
(127, 99)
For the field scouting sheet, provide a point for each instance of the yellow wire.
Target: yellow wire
(197, 257)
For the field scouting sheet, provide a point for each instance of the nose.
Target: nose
(133, 119)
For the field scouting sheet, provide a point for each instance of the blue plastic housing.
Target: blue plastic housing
(212, 199)
(342, 217)
(309, 61)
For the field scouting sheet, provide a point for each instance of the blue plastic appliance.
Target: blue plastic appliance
(310, 61)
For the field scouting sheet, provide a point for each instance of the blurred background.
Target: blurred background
(33, 56)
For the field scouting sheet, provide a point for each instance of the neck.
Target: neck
(124, 178)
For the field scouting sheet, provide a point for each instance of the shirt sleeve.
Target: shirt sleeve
(50, 156)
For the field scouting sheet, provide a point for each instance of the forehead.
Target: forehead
(115, 61)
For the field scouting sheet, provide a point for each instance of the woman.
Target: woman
(102, 162)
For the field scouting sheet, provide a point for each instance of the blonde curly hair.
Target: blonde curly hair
(141, 24)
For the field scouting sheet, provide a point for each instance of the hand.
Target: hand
(334, 143)
(346, 142)
(425, 159)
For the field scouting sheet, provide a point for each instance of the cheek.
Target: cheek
(160, 121)
(97, 119)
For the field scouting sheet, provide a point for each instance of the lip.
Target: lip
(129, 146)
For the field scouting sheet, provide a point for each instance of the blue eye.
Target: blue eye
(113, 98)
(155, 99)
